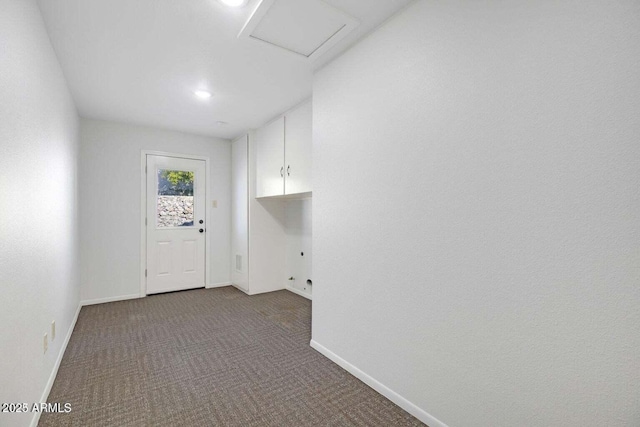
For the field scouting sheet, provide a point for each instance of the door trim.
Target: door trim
(143, 212)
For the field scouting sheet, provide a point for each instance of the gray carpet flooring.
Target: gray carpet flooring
(208, 358)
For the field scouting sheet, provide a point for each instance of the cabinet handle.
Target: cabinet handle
(288, 167)
(282, 171)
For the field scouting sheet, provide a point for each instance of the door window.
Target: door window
(174, 206)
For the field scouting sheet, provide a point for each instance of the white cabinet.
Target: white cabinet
(271, 234)
(270, 159)
(283, 162)
(297, 150)
(258, 234)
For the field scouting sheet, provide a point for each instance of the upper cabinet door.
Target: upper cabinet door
(298, 149)
(270, 169)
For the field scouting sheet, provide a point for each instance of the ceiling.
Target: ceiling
(140, 61)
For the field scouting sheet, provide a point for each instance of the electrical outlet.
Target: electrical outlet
(53, 330)
(46, 343)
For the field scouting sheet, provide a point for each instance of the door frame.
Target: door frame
(143, 213)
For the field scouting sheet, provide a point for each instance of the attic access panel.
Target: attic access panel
(305, 27)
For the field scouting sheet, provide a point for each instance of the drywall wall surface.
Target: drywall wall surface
(476, 227)
(298, 259)
(38, 205)
(240, 212)
(110, 175)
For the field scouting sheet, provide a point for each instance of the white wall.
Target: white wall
(476, 210)
(298, 231)
(110, 203)
(240, 212)
(38, 205)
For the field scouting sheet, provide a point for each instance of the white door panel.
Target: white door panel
(298, 150)
(175, 224)
(270, 159)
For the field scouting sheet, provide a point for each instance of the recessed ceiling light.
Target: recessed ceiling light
(202, 94)
(234, 3)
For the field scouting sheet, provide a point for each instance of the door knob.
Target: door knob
(201, 230)
(201, 222)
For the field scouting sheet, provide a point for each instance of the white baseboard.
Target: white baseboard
(414, 410)
(263, 291)
(108, 299)
(240, 289)
(56, 366)
(218, 285)
(299, 292)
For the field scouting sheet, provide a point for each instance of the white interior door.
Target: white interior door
(175, 224)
